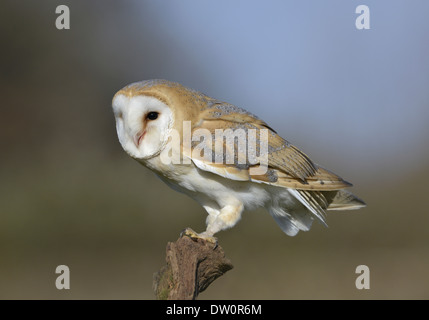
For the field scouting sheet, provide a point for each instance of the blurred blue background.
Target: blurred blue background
(356, 101)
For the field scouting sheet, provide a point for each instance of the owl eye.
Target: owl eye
(152, 115)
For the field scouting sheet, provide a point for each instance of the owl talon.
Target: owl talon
(215, 244)
(195, 236)
(189, 233)
(182, 233)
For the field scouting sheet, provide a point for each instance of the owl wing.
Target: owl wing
(285, 165)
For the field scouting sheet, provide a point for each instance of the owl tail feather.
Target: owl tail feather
(312, 205)
(291, 224)
(344, 200)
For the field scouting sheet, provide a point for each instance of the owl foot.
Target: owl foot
(195, 236)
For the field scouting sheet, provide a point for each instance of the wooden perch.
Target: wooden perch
(192, 265)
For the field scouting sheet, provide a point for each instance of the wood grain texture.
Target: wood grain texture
(192, 265)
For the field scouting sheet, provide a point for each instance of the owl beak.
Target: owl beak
(138, 138)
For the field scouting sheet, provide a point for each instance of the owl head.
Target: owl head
(143, 120)
(147, 111)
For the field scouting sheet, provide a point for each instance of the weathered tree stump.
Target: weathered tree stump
(192, 265)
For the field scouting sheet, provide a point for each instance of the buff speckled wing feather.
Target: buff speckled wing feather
(287, 165)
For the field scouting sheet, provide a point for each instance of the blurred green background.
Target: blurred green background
(357, 102)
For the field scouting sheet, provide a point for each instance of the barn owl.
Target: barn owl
(150, 115)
